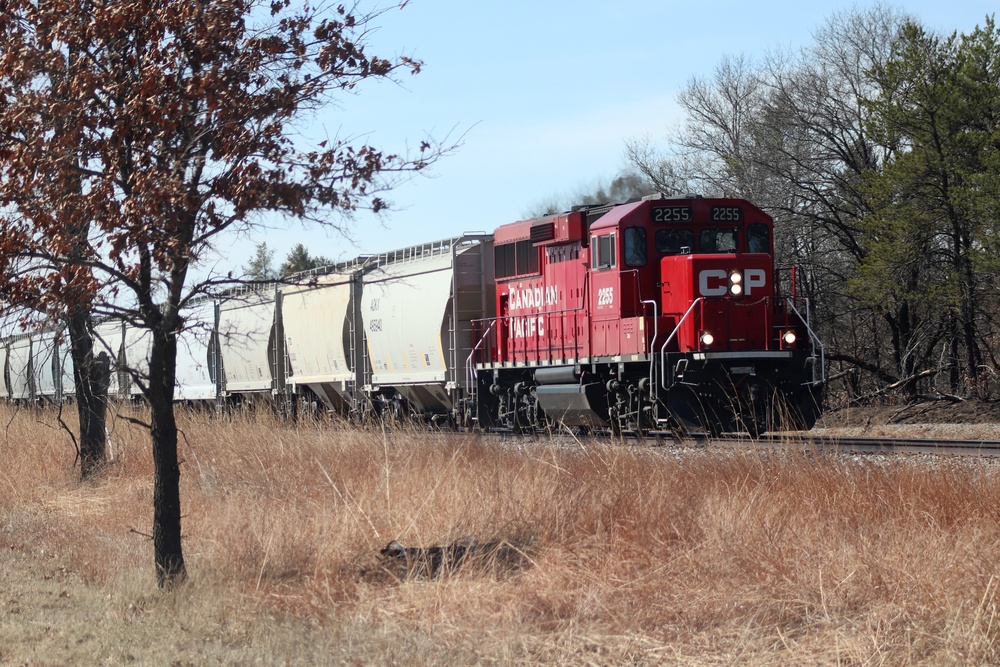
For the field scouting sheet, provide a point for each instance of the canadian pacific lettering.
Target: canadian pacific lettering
(533, 297)
(528, 327)
(530, 298)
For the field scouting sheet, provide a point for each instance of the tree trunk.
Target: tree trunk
(168, 555)
(91, 376)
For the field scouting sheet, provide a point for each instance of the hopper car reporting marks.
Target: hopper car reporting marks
(662, 313)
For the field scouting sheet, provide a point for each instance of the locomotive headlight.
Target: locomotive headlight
(735, 283)
(788, 337)
(707, 338)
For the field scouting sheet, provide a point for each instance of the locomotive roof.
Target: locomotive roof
(610, 215)
(521, 230)
(614, 216)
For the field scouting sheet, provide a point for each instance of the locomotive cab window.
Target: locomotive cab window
(635, 246)
(604, 252)
(758, 238)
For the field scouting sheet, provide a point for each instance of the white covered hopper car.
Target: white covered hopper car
(389, 333)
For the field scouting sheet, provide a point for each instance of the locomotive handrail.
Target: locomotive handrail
(537, 345)
(471, 377)
(673, 334)
(656, 333)
(814, 339)
(638, 284)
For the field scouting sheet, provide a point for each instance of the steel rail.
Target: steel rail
(790, 442)
(858, 445)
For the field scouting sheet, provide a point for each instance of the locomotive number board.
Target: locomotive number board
(673, 214)
(686, 214)
(727, 214)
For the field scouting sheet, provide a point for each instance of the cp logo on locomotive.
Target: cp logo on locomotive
(715, 282)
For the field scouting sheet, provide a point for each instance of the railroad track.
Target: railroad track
(792, 442)
(858, 445)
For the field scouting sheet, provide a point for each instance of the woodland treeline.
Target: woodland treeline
(877, 150)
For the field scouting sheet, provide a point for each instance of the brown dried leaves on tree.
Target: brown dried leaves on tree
(134, 132)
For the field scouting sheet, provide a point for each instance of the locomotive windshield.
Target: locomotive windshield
(682, 241)
(717, 240)
(681, 229)
(635, 246)
(674, 241)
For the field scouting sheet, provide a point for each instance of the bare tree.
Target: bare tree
(818, 146)
(792, 133)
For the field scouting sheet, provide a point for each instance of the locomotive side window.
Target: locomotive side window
(635, 246)
(717, 240)
(674, 241)
(758, 238)
(503, 257)
(515, 259)
(603, 249)
(527, 258)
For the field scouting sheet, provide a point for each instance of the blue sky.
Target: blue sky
(545, 93)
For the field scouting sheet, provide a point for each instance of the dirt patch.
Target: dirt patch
(952, 420)
(926, 412)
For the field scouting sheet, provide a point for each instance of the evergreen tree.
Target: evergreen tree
(261, 266)
(937, 100)
(299, 259)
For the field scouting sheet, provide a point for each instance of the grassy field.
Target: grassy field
(612, 554)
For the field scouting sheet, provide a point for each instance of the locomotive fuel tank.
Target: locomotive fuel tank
(567, 396)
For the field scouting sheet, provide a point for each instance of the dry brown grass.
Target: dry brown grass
(630, 555)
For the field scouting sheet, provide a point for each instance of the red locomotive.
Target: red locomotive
(666, 313)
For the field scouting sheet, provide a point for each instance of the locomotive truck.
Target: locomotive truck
(659, 314)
